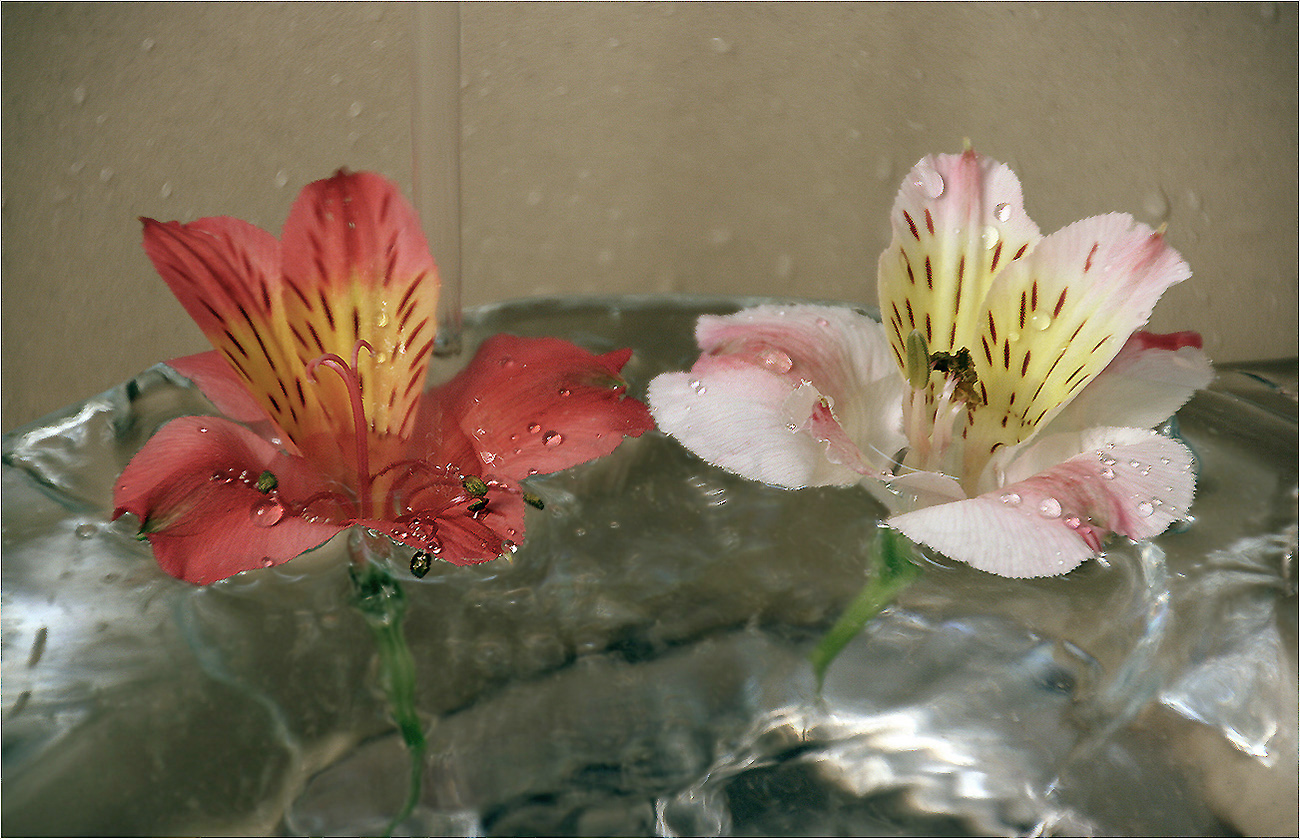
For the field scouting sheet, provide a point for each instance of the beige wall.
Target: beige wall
(625, 148)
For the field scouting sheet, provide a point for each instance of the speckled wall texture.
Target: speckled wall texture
(699, 148)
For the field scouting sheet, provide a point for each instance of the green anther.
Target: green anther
(918, 360)
(477, 504)
(534, 500)
(475, 486)
(267, 482)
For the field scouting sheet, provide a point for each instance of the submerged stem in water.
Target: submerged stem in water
(382, 603)
(892, 570)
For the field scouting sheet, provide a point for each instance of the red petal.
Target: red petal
(459, 536)
(217, 267)
(538, 405)
(223, 387)
(193, 487)
(357, 267)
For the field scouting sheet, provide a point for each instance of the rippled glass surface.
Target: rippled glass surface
(639, 667)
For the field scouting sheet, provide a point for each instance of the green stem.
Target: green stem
(382, 603)
(892, 570)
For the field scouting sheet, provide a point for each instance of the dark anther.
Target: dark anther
(534, 501)
(267, 482)
(421, 562)
(475, 486)
(958, 366)
(478, 504)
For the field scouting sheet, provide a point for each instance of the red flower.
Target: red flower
(350, 287)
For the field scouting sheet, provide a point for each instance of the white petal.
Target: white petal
(739, 419)
(791, 395)
(1129, 481)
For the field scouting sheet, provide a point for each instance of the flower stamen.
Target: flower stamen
(353, 384)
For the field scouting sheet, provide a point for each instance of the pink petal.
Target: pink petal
(1132, 482)
(193, 489)
(537, 405)
(1151, 378)
(791, 395)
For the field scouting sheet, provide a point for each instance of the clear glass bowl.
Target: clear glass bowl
(639, 666)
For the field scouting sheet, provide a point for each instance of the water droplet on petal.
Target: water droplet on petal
(507, 361)
(79, 94)
(1108, 474)
(268, 511)
(85, 531)
(991, 237)
(1011, 499)
(1073, 522)
(1013, 336)
(534, 428)
(354, 110)
(147, 45)
(564, 391)
(823, 322)
(281, 179)
(776, 360)
(166, 190)
(927, 179)
(1002, 212)
(552, 438)
(1145, 509)
(267, 562)
(1106, 460)
(1040, 322)
(698, 387)
(1049, 508)
(719, 45)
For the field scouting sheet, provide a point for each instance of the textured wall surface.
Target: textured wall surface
(612, 148)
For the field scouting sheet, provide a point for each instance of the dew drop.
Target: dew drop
(698, 387)
(534, 428)
(823, 322)
(267, 562)
(147, 45)
(1011, 499)
(354, 110)
(776, 360)
(507, 362)
(1040, 322)
(1049, 508)
(1136, 464)
(719, 45)
(281, 179)
(1165, 461)
(991, 237)
(1106, 460)
(85, 531)
(79, 94)
(1013, 336)
(268, 511)
(106, 174)
(166, 190)
(1073, 522)
(1002, 212)
(552, 439)
(927, 179)
(1108, 474)
(1145, 509)
(564, 391)
(203, 429)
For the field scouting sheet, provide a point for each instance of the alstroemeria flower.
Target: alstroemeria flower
(1002, 411)
(323, 341)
